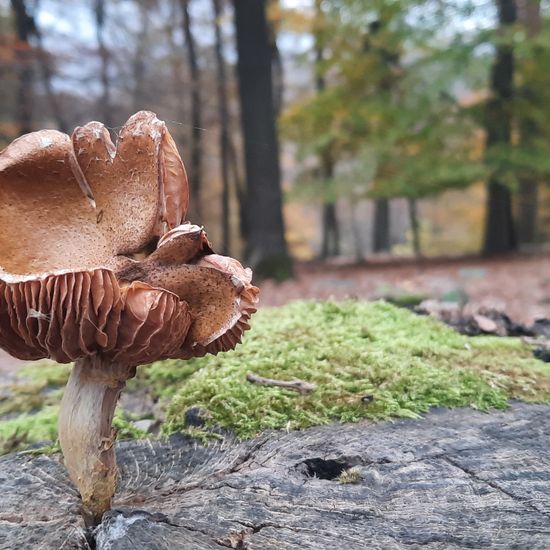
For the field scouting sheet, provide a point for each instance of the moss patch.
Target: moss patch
(367, 360)
(40, 428)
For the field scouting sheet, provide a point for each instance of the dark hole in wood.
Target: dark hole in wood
(325, 469)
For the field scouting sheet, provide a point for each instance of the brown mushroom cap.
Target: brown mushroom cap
(73, 210)
(74, 204)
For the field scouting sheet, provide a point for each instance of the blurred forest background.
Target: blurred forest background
(343, 129)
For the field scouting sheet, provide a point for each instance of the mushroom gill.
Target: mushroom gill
(75, 214)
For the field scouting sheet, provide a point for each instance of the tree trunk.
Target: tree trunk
(356, 233)
(331, 234)
(141, 49)
(529, 15)
(47, 74)
(24, 26)
(499, 226)
(105, 107)
(381, 226)
(415, 227)
(178, 80)
(240, 189)
(528, 209)
(266, 246)
(330, 231)
(223, 113)
(276, 63)
(195, 172)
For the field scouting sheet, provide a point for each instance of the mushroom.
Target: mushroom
(99, 267)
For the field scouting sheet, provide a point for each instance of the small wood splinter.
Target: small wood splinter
(298, 385)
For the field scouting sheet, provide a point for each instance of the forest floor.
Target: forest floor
(518, 285)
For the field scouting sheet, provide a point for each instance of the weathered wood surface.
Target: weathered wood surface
(456, 479)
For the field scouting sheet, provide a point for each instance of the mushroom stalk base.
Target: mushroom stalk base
(86, 435)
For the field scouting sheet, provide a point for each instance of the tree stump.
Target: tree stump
(455, 479)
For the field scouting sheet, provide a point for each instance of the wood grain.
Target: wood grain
(456, 479)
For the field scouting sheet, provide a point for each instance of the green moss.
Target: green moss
(41, 427)
(40, 386)
(401, 363)
(17, 433)
(32, 408)
(367, 360)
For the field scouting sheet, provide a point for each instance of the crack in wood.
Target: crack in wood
(494, 485)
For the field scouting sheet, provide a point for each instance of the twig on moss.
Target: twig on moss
(298, 385)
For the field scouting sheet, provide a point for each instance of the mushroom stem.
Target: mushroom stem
(86, 435)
